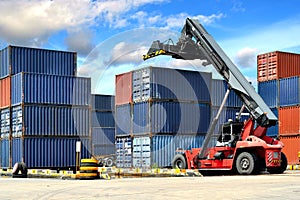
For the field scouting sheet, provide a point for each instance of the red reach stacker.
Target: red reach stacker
(241, 147)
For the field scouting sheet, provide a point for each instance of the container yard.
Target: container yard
(154, 115)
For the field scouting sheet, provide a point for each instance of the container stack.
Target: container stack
(278, 84)
(157, 111)
(103, 125)
(44, 108)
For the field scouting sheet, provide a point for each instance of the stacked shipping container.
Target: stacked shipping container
(159, 110)
(278, 84)
(159, 102)
(44, 108)
(103, 125)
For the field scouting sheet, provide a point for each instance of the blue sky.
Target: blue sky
(111, 36)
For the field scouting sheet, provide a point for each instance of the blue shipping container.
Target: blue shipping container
(103, 119)
(5, 123)
(48, 152)
(50, 89)
(269, 91)
(15, 59)
(4, 63)
(123, 152)
(103, 150)
(170, 117)
(165, 84)
(103, 136)
(102, 102)
(163, 147)
(5, 153)
(39, 120)
(289, 91)
(123, 119)
(219, 88)
(273, 130)
(160, 150)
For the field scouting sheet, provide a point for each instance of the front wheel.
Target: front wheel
(179, 162)
(245, 163)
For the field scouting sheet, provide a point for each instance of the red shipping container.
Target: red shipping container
(291, 148)
(276, 65)
(5, 92)
(123, 88)
(289, 120)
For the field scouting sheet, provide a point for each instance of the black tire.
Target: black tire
(19, 167)
(87, 164)
(179, 162)
(284, 163)
(24, 169)
(282, 167)
(109, 162)
(245, 163)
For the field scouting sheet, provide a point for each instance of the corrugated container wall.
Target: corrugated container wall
(102, 102)
(269, 91)
(5, 92)
(103, 125)
(4, 62)
(277, 65)
(273, 130)
(219, 88)
(170, 118)
(49, 89)
(123, 88)
(103, 135)
(103, 119)
(153, 83)
(103, 141)
(291, 148)
(48, 152)
(123, 119)
(16, 59)
(289, 91)
(5, 153)
(289, 120)
(41, 120)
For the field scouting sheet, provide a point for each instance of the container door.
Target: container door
(124, 152)
(141, 152)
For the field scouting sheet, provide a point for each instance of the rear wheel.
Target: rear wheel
(179, 162)
(245, 163)
(282, 167)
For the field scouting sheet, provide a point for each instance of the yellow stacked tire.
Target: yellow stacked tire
(88, 169)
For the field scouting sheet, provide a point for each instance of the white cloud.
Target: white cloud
(34, 21)
(177, 21)
(80, 42)
(246, 57)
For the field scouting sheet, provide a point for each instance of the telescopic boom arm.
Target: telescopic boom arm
(196, 43)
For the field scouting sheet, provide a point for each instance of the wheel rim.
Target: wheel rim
(179, 164)
(245, 163)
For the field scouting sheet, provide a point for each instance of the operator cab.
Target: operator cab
(231, 132)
